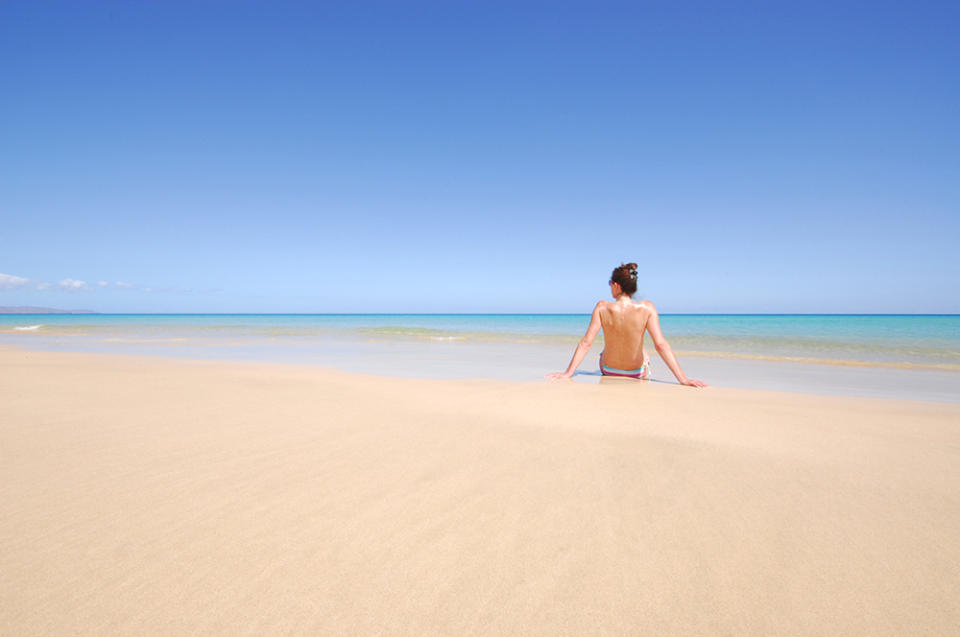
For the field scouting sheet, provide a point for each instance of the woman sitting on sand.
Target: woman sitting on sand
(623, 323)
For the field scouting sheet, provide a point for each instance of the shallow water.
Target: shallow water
(913, 357)
(909, 341)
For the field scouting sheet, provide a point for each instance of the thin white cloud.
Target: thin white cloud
(11, 281)
(73, 284)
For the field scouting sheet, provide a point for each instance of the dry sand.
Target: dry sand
(168, 497)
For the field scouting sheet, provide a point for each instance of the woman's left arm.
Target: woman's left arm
(583, 347)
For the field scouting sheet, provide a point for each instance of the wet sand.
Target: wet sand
(144, 496)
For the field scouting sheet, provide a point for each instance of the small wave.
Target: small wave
(951, 367)
(395, 331)
(27, 328)
(448, 335)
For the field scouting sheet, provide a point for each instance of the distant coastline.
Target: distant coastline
(26, 309)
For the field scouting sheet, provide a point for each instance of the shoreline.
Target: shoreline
(918, 341)
(530, 362)
(32, 331)
(145, 495)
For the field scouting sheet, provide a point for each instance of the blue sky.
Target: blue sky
(479, 157)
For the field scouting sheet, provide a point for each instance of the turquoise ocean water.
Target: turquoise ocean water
(907, 341)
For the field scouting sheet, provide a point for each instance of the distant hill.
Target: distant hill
(25, 309)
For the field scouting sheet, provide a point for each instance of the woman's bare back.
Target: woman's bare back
(624, 324)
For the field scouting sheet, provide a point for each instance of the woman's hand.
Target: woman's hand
(559, 375)
(692, 382)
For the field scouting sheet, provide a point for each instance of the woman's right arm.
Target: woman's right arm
(583, 347)
(666, 353)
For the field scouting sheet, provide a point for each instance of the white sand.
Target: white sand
(157, 497)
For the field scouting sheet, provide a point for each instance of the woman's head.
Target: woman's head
(625, 277)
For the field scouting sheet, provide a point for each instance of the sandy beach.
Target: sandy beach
(149, 496)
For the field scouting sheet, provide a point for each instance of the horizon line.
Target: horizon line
(92, 312)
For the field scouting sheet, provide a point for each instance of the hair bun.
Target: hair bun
(625, 275)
